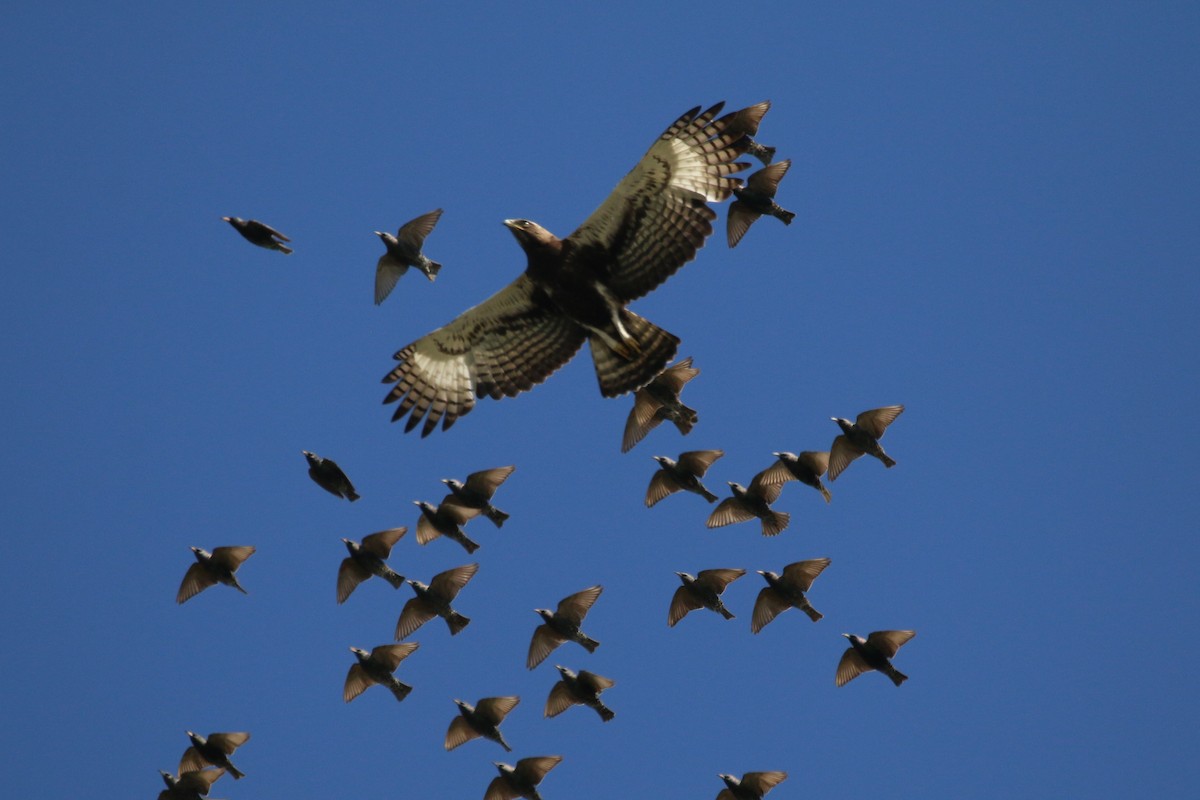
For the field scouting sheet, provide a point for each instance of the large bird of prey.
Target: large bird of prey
(576, 289)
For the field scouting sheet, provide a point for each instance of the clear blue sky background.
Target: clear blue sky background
(996, 226)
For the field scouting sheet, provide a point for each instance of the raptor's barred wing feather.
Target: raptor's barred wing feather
(504, 346)
(658, 216)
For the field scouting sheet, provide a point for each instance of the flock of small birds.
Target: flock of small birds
(573, 290)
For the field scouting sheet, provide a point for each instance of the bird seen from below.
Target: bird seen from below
(212, 568)
(750, 502)
(480, 720)
(861, 437)
(446, 520)
(576, 289)
(682, 476)
(746, 122)
(404, 251)
(808, 467)
(756, 199)
(376, 667)
(213, 751)
(434, 601)
(367, 559)
(562, 625)
(659, 400)
(189, 785)
(583, 688)
(329, 476)
(787, 591)
(478, 490)
(521, 780)
(873, 653)
(260, 234)
(752, 786)
(702, 591)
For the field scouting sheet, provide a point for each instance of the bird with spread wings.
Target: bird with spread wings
(576, 289)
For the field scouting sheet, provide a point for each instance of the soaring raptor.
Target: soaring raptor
(576, 289)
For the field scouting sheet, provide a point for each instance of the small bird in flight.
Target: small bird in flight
(873, 653)
(562, 625)
(260, 234)
(861, 437)
(404, 251)
(212, 568)
(367, 559)
(755, 199)
(787, 591)
(682, 475)
(329, 476)
(659, 400)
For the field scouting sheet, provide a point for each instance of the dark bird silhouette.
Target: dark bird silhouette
(659, 400)
(582, 689)
(189, 785)
(787, 591)
(755, 199)
(329, 476)
(874, 652)
(682, 475)
(752, 786)
(404, 251)
(808, 467)
(214, 751)
(434, 601)
(562, 625)
(577, 288)
(521, 780)
(481, 720)
(478, 491)
(702, 591)
(748, 503)
(367, 559)
(375, 667)
(212, 568)
(446, 520)
(260, 234)
(861, 437)
(746, 122)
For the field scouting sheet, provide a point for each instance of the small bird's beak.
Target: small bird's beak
(761, 572)
(846, 635)
(227, 219)
(416, 502)
(777, 455)
(445, 481)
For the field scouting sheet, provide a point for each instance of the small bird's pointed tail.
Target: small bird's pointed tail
(457, 622)
(774, 524)
(401, 690)
(239, 587)
(825, 493)
(589, 643)
(395, 579)
(786, 216)
(504, 744)
(287, 251)
(496, 516)
(352, 495)
(762, 152)
(431, 270)
(709, 496)
(725, 612)
(887, 460)
(236, 773)
(604, 711)
(646, 353)
(897, 676)
(813, 614)
(686, 419)
(469, 545)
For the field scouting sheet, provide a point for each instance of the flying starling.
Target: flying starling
(189, 785)
(702, 591)
(404, 251)
(218, 566)
(861, 436)
(521, 780)
(445, 520)
(434, 601)
(864, 655)
(659, 400)
(746, 121)
(748, 503)
(260, 234)
(377, 667)
(477, 492)
(808, 467)
(755, 199)
(329, 476)
(582, 689)
(368, 559)
(562, 625)
(752, 786)
(215, 751)
(682, 475)
(480, 720)
(787, 591)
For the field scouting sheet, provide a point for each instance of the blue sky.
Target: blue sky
(995, 226)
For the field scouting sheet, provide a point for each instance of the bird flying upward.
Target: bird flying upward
(576, 289)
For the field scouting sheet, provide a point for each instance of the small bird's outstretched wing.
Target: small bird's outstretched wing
(850, 667)
(382, 542)
(413, 232)
(485, 482)
(698, 461)
(801, 574)
(729, 511)
(459, 732)
(658, 216)
(575, 607)
(350, 575)
(195, 580)
(766, 608)
(661, 485)
(889, 642)
(876, 420)
(449, 583)
(506, 345)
